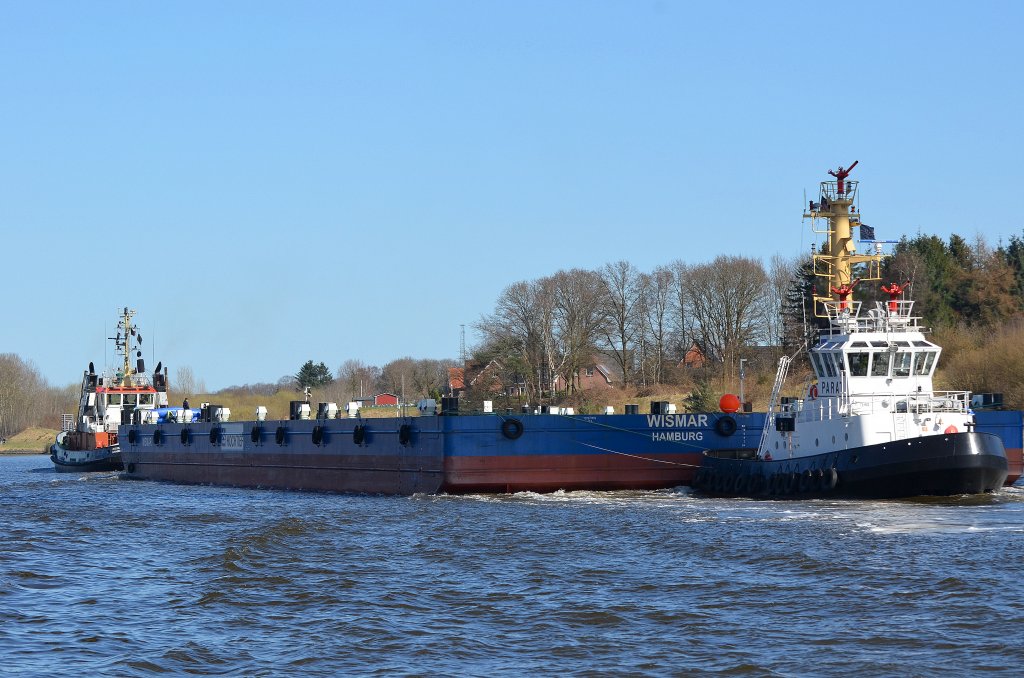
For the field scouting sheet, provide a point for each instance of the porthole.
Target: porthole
(833, 440)
(776, 444)
(847, 435)
(816, 443)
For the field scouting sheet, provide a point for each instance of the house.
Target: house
(598, 373)
(490, 378)
(385, 399)
(456, 380)
(694, 358)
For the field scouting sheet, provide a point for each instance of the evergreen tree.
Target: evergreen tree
(312, 376)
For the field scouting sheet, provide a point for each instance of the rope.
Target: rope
(637, 456)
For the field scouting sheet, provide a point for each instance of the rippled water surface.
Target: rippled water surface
(103, 576)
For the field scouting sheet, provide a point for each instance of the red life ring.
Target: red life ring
(813, 393)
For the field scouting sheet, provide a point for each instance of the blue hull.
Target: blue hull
(460, 454)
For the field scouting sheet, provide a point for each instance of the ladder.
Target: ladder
(769, 420)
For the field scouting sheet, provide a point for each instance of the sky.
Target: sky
(273, 182)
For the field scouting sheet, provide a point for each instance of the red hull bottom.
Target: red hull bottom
(1015, 464)
(549, 473)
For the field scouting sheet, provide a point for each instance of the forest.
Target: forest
(543, 334)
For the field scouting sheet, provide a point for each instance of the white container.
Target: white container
(261, 413)
(488, 406)
(221, 414)
(609, 409)
(186, 417)
(352, 409)
(671, 408)
(304, 411)
(332, 410)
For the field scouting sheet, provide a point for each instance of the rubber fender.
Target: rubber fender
(280, 434)
(133, 436)
(359, 434)
(404, 434)
(158, 437)
(725, 426)
(256, 434)
(511, 428)
(828, 483)
(186, 436)
(318, 435)
(215, 435)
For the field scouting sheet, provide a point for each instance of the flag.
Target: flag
(867, 232)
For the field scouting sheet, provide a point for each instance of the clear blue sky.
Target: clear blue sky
(274, 182)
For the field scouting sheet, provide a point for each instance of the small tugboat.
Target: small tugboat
(89, 442)
(871, 425)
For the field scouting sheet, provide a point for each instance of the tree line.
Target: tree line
(27, 400)
(645, 322)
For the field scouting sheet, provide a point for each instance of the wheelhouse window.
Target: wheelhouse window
(880, 364)
(130, 399)
(113, 398)
(858, 363)
(830, 367)
(923, 363)
(901, 364)
(145, 398)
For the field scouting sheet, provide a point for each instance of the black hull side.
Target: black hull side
(111, 463)
(941, 465)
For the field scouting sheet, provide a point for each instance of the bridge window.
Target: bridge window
(113, 398)
(129, 399)
(858, 364)
(817, 365)
(145, 398)
(880, 364)
(923, 363)
(901, 365)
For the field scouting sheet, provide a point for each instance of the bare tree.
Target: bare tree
(185, 380)
(579, 319)
(729, 305)
(357, 377)
(622, 287)
(656, 304)
(521, 331)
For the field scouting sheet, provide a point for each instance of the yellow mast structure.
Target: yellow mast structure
(125, 344)
(837, 260)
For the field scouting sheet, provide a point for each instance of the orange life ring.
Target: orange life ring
(813, 393)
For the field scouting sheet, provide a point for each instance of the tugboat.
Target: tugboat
(871, 425)
(89, 442)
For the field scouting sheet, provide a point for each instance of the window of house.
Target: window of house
(590, 371)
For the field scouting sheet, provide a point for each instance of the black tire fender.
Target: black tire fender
(280, 435)
(725, 426)
(404, 434)
(186, 436)
(511, 428)
(359, 434)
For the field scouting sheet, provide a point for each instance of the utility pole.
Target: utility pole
(743, 376)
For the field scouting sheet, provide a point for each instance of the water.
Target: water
(102, 576)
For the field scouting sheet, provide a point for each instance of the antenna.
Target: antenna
(462, 345)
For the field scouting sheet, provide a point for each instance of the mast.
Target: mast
(123, 343)
(837, 260)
